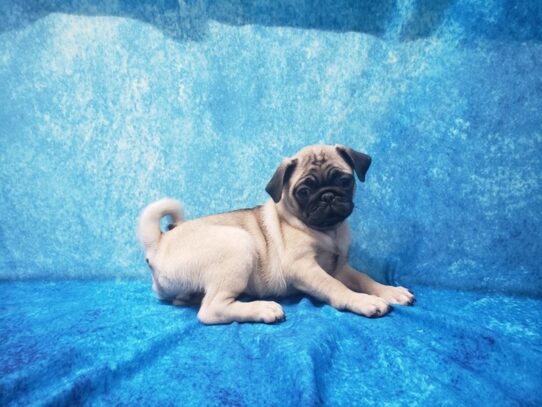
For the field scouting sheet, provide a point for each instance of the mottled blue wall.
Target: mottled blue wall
(106, 106)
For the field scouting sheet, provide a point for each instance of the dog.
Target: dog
(297, 241)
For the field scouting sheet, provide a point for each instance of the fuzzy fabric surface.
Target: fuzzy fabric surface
(111, 343)
(106, 106)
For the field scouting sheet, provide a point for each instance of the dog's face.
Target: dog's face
(317, 184)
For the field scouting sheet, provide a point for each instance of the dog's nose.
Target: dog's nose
(328, 197)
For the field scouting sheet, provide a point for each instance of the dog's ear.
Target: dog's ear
(280, 178)
(358, 161)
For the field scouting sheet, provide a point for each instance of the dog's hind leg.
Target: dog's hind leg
(220, 304)
(224, 308)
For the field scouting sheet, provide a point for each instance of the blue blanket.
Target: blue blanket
(111, 343)
(106, 106)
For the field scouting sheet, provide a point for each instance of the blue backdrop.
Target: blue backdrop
(106, 106)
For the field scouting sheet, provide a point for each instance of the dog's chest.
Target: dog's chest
(331, 252)
(330, 261)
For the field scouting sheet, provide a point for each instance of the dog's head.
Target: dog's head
(317, 184)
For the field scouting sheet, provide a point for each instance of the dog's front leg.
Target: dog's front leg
(311, 279)
(362, 283)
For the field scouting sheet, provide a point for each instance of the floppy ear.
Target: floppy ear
(358, 161)
(281, 177)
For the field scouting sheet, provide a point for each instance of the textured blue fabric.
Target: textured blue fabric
(108, 105)
(107, 343)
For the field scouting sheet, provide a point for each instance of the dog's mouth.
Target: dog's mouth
(323, 215)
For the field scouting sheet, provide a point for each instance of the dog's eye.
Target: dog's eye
(345, 182)
(309, 182)
(303, 192)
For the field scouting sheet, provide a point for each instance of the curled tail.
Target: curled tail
(148, 226)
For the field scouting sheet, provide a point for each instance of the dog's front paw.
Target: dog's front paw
(269, 312)
(396, 295)
(369, 305)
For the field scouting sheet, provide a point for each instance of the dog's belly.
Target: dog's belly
(268, 282)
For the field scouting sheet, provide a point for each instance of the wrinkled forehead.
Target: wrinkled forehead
(318, 162)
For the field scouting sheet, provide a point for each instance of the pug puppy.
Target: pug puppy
(295, 242)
